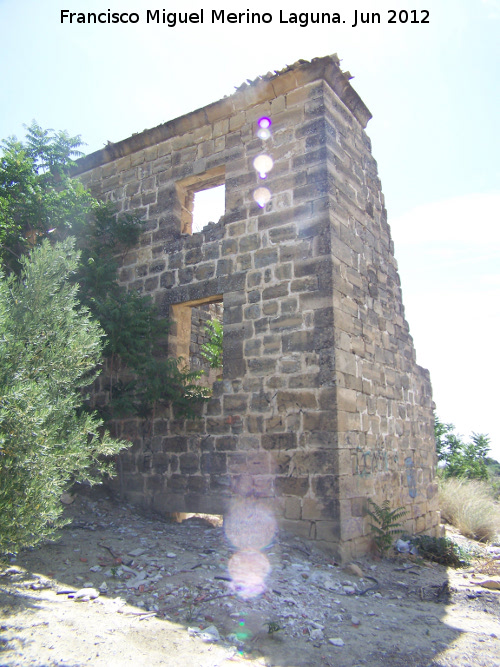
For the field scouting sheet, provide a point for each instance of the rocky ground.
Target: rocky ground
(121, 588)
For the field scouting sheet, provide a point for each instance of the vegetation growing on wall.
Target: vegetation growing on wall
(39, 200)
(212, 350)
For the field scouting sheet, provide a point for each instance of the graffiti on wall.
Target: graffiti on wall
(367, 462)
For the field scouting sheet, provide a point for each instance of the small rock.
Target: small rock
(103, 587)
(336, 641)
(325, 580)
(171, 555)
(67, 498)
(316, 634)
(136, 581)
(88, 584)
(318, 626)
(234, 639)
(493, 584)
(96, 568)
(355, 621)
(137, 552)
(349, 590)
(403, 546)
(210, 634)
(86, 594)
(493, 550)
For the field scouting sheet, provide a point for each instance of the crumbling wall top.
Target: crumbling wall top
(249, 94)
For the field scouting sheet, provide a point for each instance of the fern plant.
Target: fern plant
(386, 524)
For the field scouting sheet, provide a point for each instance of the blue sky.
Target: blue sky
(433, 89)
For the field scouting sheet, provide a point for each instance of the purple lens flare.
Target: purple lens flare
(264, 123)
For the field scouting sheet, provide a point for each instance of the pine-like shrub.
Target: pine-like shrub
(49, 349)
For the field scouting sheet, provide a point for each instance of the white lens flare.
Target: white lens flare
(264, 134)
(262, 196)
(249, 524)
(248, 571)
(263, 164)
(264, 122)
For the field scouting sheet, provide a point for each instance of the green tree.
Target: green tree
(37, 196)
(39, 200)
(50, 347)
(459, 458)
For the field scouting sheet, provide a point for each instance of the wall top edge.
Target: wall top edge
(249, 94)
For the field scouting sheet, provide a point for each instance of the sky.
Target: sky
(433, 89)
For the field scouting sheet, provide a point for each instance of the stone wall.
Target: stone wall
(322, 404)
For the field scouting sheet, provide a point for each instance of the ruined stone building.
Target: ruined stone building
(321, 404)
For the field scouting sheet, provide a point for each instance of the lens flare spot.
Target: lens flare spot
(262, 196)
(264, 134)
(264, 123)
(249, 525)
(263, 164)
(248, 571)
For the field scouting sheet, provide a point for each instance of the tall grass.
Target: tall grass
(469, 505)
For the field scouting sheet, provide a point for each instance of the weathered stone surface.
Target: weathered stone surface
(321, 404)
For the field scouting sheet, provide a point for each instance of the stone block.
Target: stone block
(315, 462)
(291, 486)
(329, 531)
(235, 404)
(304, 529)
(293, 400)
(189, 463)
(213, 463)
(261, 366)
(279, 441)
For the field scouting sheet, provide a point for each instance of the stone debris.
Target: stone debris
(336, 641)
(305, 598)
(85, 594)
(492, 584)
(137, 552)
(210, 634)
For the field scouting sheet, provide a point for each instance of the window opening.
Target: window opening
(202, 199)
(191, 334)
(209, 206)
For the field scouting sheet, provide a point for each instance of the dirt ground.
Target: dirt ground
(178, 594)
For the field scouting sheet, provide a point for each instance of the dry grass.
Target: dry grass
(469, 506)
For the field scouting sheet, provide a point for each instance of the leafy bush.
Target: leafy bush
(212, 351)
(442, 550)
(40, 201)
(48, 354)
(469, 506)
(459, 458)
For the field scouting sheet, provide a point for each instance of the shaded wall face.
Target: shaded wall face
(321, 404)
(386, 445)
